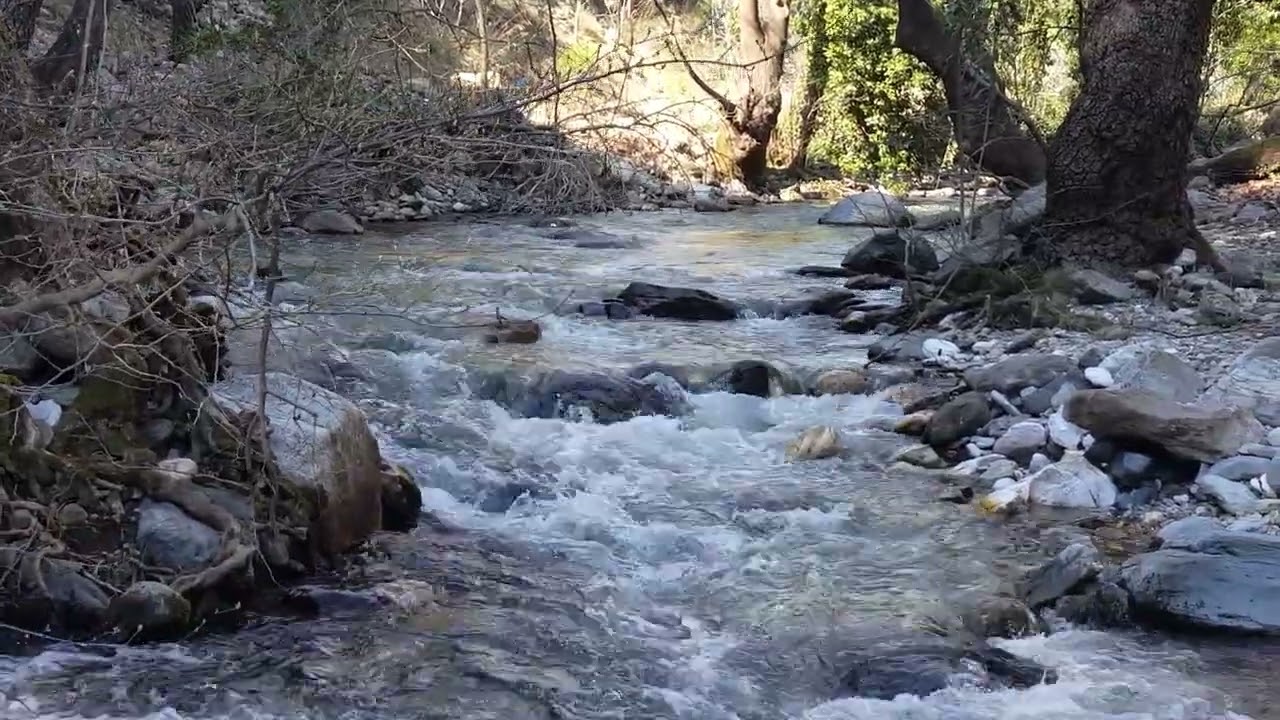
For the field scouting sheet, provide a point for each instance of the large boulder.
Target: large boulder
(1016, 372)
(590, 396)
(331, 222)
(1215, 579)
(1204, 431)
(869, 208)
(676, 302)
(889, 253)
(323, 446)
(1161, 372)
(1253, 382)
(958, 419)
(925, 668)
(1072, 482)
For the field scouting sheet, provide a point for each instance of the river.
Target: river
(667, 567)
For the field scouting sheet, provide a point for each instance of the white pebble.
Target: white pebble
(1099, 377)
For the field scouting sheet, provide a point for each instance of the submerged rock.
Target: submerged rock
(560, 394)
(816, 443)
(521, 332)
(1203, 431)
(842, 382)
(676, 302)
(889, 253)
(924, 669)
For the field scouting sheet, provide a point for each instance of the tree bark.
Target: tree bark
(762, 39)
(182, 28)
(18, 24)
(78, 45)
(984, 120)
(1118, 165)
(815, 83)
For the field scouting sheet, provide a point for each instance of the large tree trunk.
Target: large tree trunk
(18, 24)
(762, 40)
(182, 28)
(77, 47)
(984, 122)
(815, 83)
(1118, 165)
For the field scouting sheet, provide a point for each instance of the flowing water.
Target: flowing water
(666, 568)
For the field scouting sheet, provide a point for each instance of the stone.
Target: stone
(331, 222)
(922, 669)
(1240, 468)
(822, 271)
(908, 346)
(1219, 309)
(401, 499)
(1075, 565)
(1064, 433)
(18, 357)
(324, 447)
(958, 419)
(1260, 450)
(677, 303)
(1096, 288)
(1099, 377)
(1001, 617)
(1039, 461)
(1218, 580)
(168, 537)
(753, 377)
(522, 332)
(1021, 441)
(1092, 358)
(1105, 604)
(939, 349)
(816, 443)
(601, 397)
(1038, 401)
(1016, 372)
(1273, 437)
(1233, 497)
(889, 253)
(869, 282)
(842, 382)
(1072, 482)
(1159, 371)
(1023, 342)
(150, 610)
(872, 209)
(1186, 532)
(1204, 431)
(1253, 382)
(1006, 498)
(1130, 470)
(913, 424)
(72, 514)
(921, 456)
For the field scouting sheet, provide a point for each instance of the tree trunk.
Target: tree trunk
(77, 47)
(182, 29)
(18, 24)
(815, 83)
(1118, 165)
(984, 121)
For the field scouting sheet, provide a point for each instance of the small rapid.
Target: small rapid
(662, 567)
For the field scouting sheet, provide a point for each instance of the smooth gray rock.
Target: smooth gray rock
(170, 538)
(905, 347)
(888, 252)
(1075, 565)
(957, 419)
(1041, 400)
(925, 668)
(867, 209)
(558, 394)
(1273, 437)
(331, 222)
(1012, 374)
(1072, 482)
(1064, 433)
(1233, 497)
(1186, 533)
(1161, 372)
(1260, 450)
(1130, 470)
(1096, 288)
(1240, 468)
(1204, 431)
(1253, 382)
(1221, 580)
(1022, 441)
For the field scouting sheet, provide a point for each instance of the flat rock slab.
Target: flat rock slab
(1204, 431)
(1253, 382)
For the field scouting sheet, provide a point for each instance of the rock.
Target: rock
(1273, 437)
(1219, 309)
(1131, 470)
(1161, 372)
(401, 499)
(559, 394)
(816, 443)
(1039, 461)
(939, 349)
(1021, 441)
(1216, 579)
(331, 222)
(1072, 482)
(988, 468)
(889, 253)
(1253, 382)
(908, 346)
(822, 271)
(150, 610)
(842, 382)
(1260, 450)
(1007, 498)
(1052, 396)
(1092, 358)
(324, 447)
(611, 308)
(752, 377)
(18, 357)
(921, 456)
(1240, 468)
(957, 419)
(1204, 431)
(1105, 604)
(677, 303)
(1187, 532)
(921, 670)
(1095, 288)
(1099, 377)
(1014, 373)
(170, 538)
(1234, 497)
(869, 282)
(1064, 433)
(869, 208)
(1074, 566)
(914, 423)
(514, 331)
(1001, 617)
(72, 514)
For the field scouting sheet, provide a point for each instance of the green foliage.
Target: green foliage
(883, 113)
(1243, 67)
(578, 58)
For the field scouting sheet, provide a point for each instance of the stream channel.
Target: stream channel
(665, 567)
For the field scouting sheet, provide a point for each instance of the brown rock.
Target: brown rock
(842, 382)
(521, 332)
(1204, 431)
